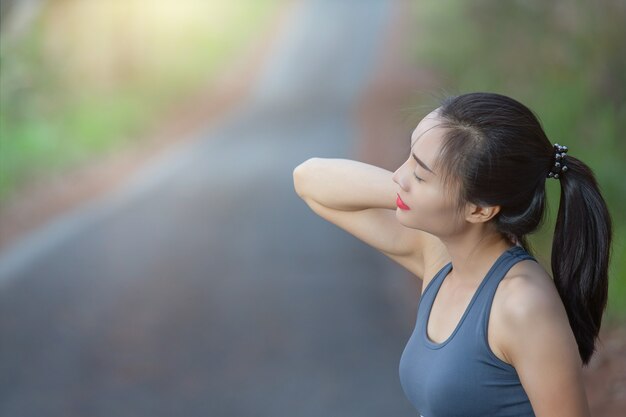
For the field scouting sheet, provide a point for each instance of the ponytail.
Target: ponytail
(580, 254)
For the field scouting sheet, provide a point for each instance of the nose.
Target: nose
(400, 178)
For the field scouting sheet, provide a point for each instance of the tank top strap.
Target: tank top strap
(481, 301)
(512, 256)
(437, 280)
(428, 295)
(485, 299)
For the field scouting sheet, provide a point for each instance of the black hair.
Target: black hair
(496, 153)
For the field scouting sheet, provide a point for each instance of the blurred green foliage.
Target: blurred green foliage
(565, 60)
(86, 78)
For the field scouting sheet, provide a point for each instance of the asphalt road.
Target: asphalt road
(205, 286)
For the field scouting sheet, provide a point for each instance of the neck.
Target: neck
(474, 252)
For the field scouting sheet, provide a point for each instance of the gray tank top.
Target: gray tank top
(462, 376)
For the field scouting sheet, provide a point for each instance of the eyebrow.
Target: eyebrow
(419, 161)
(422, 164)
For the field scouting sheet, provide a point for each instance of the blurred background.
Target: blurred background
(154, 258)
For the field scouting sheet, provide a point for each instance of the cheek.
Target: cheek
(430, 201)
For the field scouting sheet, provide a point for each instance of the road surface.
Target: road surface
(205, 286)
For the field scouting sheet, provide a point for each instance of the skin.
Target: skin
(528, 325)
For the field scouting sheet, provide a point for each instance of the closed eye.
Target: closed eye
(421, 163)
(418, 178)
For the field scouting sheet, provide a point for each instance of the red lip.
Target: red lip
(401, 204)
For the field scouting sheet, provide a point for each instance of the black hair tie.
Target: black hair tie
(559, 162)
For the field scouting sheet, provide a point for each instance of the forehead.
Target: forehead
(426, 138)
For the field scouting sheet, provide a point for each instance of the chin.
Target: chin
(404, 220)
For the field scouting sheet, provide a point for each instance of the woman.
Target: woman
(495, 335)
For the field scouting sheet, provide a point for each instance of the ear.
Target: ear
(479, 214)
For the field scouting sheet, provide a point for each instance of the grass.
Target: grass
(88, 77)
(563, 60)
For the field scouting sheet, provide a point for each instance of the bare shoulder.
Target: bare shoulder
(525, 307)
(535, 337)
(526, 292)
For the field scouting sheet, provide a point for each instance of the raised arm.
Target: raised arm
(344, 184)
(360, 198)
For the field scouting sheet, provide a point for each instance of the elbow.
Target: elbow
(297, 180)
(300, 177)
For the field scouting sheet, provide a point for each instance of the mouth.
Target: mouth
(401, 204)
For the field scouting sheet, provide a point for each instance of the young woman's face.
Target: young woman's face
(423, 202)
